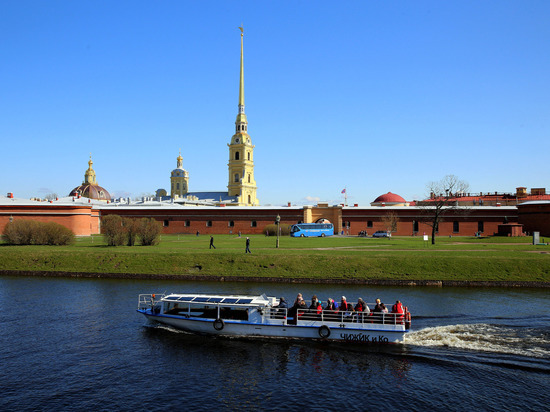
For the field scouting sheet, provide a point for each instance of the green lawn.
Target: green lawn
(344, 258)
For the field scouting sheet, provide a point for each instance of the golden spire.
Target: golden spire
(241, 123)
(89, 176)
(241, 86)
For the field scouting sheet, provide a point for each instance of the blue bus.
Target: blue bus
(312, 229)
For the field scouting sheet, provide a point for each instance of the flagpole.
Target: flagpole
(345, 192)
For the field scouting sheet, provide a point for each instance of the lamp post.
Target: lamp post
(278, 221)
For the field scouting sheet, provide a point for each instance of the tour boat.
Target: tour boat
(259, 316)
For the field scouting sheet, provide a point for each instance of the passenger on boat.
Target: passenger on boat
(399, 310)
(345, 307)
(317, 307)
(330, 304)
(299, 303)
(377, 311)
(280, 313)
(282, 303)
(314, 302)
(362, 306)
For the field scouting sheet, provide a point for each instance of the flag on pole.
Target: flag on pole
(344, 191)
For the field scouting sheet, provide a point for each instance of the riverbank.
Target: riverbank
(501, 262)
(365, 282)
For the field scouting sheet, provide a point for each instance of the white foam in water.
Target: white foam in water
(480, 337)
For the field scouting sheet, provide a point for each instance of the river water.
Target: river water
(79, 344)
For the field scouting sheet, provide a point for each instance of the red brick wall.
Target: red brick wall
(535, 217)
(467, 221)
(82, 220)
(219, 218)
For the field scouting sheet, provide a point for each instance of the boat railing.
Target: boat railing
(276, 313)
(148, 300)
(334, 316)
(350, 316)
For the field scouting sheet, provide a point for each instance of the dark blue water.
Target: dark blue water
(78, 344)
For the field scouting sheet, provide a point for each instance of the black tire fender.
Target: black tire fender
(219, 324)
(324, 331)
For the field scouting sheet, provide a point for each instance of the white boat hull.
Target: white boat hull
(337, 331)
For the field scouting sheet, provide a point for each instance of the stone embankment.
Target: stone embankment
(372, 282)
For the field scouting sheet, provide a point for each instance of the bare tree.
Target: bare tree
(390, 220)
(442, 202)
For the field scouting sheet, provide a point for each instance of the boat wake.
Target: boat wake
(486, 338)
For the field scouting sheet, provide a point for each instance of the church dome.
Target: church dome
(89, 187)
(389, 199)
(91, 191)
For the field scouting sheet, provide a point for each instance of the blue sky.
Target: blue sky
(374, 96)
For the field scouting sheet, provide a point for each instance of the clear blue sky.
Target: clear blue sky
(374, 96)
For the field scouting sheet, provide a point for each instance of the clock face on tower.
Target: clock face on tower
(237, 140)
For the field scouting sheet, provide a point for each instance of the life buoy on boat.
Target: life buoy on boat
(324, 331)
(219, 324)
(407, 318)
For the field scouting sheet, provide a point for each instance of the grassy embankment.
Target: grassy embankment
(353, 258)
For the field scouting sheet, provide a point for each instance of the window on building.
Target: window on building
(480, 226)
(208, 223)
(248, 155)
(166, 223)
(253, 224)
(249, 178)
(231, 223)
(237, 156)
(456, 227)
(415, 226)
(249, 199)
(177, 186)
(369, 223)
(236, 178)
(187, 223)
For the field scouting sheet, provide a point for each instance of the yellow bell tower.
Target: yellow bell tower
(89, 175)
(241, 154)
(179, 180)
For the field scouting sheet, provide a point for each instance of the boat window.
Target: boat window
(201, 299)
(186, 298)
(244, 301)
(230, 300)
(215, 300)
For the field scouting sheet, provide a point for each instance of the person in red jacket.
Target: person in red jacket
(398, 309)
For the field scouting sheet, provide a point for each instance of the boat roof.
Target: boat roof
(217, 299)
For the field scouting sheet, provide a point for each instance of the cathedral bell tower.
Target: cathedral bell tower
(241, 154)
(179, 180)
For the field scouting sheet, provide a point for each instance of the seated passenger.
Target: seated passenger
(281, 308)
(398, 309)
(330, 304)
(282, 303)
(362, 306)
(377, 311)
(345, 307)
(299, 303)
(314, 302)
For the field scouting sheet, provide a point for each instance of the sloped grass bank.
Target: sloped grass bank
(284, 265)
